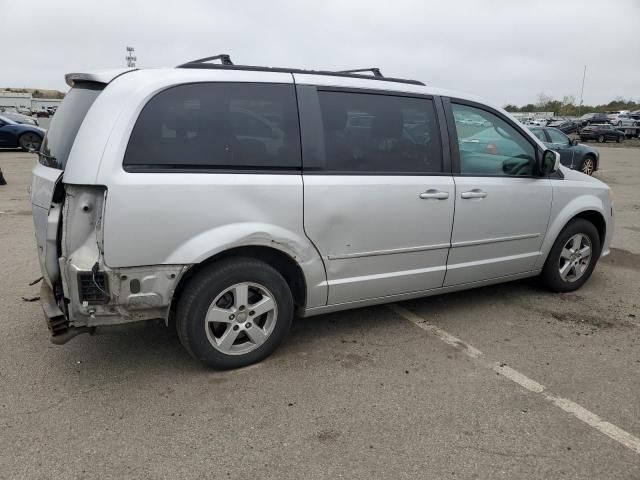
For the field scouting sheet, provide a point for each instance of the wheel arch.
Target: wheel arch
(286, 265)
(597, 219)
(591, 209)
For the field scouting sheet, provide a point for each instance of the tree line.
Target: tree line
(568, 107)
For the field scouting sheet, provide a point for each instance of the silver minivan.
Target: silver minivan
(224, 199)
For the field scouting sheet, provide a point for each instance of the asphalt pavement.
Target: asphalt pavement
(503, 382)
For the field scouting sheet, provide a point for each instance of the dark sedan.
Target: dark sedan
(565, 126)
(572, 154)
(591, 118)
(16, 135)
(601, 133)
(19, 118)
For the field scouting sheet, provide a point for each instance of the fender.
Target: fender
(561, 215)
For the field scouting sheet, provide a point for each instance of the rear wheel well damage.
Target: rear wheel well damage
(283, 263)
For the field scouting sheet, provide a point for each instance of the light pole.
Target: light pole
(584, 74)
(131, 58)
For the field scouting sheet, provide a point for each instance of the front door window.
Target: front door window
(490, 146)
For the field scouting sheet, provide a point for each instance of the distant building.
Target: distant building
(533, 115)
(26, 100)
(43, 103)
(15, 100)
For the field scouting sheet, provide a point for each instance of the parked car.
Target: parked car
(565, 126)
(601, 133)
(593, 118)
(626, 120)
(43, 113)
(538, 122)
(17, 135)
(19, 118)
(572, 154)
(149, 201)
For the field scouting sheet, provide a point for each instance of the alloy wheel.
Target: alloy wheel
(241, 318)
(575, 258)
(588, 166)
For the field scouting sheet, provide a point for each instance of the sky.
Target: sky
(507, 51)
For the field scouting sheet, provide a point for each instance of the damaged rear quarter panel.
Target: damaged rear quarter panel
(81, 245)
(184, 218)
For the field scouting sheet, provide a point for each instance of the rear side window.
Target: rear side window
(373, 133)
(229, 126)
(66, 123)
(557, 136)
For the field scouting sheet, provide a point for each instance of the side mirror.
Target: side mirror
(550, 163)
(574, 142)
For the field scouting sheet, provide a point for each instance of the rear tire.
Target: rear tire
(234, 313)
(570, 264)
(30, 141)
(588, 165)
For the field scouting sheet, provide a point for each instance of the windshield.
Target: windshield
(66, 123)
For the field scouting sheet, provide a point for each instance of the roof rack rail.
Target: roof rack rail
(375, 70)
(227, 64)
(224, 58)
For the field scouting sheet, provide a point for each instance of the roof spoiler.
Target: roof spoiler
(99, 76)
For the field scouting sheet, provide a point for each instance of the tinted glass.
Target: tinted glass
(491, 146)
(557, 136)
(379, 133)
(66, 123)
(217, 125)
(538, 133)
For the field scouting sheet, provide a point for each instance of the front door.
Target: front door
(501, 207)
(378, 204)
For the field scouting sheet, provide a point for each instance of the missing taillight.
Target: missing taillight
(93, 288)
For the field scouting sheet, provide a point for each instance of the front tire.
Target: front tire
(601, 139)
(573, 257)
(234, 313)
(30, 141)
(619, 138)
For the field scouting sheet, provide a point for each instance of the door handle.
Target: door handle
(433, 193)
(475, 193)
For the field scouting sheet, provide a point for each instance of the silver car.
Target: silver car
(625, 120)
(225, 199)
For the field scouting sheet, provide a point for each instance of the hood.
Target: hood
(25, 127)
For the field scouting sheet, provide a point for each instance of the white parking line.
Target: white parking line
(610, 430)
